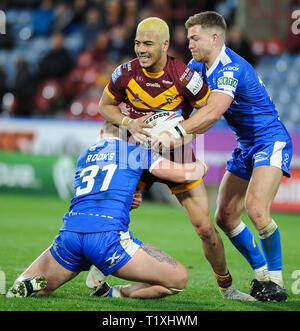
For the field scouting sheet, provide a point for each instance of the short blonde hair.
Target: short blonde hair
(155, 24)
(208, 19)
(109, 128)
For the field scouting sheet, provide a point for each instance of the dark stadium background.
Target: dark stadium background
(56, 56)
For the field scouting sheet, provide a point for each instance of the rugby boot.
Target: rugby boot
(28, 287)
(231, 293)
(268, 291)
(101, 290)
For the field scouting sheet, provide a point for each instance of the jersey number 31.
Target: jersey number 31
(88, 175)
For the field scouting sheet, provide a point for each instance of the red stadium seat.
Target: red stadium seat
(70, 85)
(10, 103)
(88, 78)
(84, 107)
(258, 47)
(274, 47)
(85, 59)
(47, 92)
(76, 109)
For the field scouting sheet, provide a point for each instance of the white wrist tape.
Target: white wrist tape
(178, 131)
(125, 121)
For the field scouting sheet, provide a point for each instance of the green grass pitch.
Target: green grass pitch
(28, 225)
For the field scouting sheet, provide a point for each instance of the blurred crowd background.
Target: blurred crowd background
(57, 55)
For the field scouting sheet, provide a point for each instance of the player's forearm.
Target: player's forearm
(180, 173)
(173, 175)
(110, 110)
(111, 113)
(202, 120)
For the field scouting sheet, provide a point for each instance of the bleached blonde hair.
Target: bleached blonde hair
(155, 24)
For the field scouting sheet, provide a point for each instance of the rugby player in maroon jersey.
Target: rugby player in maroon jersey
(155, 81)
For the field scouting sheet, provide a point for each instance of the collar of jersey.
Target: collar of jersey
(152, 74)
(112, 138)
(108, 138)
(217, 60)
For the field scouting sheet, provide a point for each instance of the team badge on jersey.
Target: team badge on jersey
(170, 98)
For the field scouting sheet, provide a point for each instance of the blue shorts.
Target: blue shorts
(108, 251)
(274, 153)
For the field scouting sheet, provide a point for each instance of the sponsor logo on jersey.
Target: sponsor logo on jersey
(184, 74)
(167, 82)
(230, 68)
(260, 156)
(195, 84)
(129, 66)
(226, 82)
(116, 74)
(189, 76)
(153, 85)
(286, 158)
(114, 259)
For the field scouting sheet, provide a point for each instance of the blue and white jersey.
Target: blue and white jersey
(105, 179)
(252, 114)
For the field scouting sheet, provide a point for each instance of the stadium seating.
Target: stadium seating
(280, 75)
(279, 71)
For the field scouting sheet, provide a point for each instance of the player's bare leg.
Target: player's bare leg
(155, 275)
(196, 204)
(44, 268)
(230, 201)
(262, 189)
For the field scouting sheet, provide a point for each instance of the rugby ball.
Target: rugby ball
(163, 121)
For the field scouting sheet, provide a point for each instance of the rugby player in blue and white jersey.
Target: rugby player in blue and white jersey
(95, 230)
(263, 154)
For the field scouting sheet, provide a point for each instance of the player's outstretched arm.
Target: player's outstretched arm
(205, 117)
(180, 173)
(202, 120)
